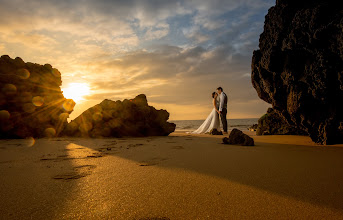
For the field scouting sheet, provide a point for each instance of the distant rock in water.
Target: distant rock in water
(31, 101)
(272, 123)
(253, 127)
(121, 118)
(237, 137)
(299, 66)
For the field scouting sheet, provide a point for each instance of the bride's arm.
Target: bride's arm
(214, 105)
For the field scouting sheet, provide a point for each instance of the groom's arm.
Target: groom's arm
(221, 102)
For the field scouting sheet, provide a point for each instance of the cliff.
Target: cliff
(299, 66)
(31, 101)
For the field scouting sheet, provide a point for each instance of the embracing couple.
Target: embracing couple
(219, 109)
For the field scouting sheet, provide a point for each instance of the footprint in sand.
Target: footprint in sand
(87, 167)
(178, 147)
(60, 158)
(95, 155)
(70, 176)
(77, 173)
(151, 162)
(110, 144)
(133, 145)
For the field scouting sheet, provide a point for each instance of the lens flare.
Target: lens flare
(76, 91)
(37, 101)
(50, 132)
(9, 89)
(30, 141)
(68, 105)
(4, 115)
(23, 73)
(63, 116)
(56, 73)
(29, 108)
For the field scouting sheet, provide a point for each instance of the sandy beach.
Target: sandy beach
(181, 176)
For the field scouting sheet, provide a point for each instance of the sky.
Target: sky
(175, 52)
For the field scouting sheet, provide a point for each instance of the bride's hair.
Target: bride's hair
(213, 94)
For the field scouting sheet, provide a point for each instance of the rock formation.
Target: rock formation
(272, 123)
(121, 118)
(299, 66)
(214, 131)
(237, 137)
(31, 101)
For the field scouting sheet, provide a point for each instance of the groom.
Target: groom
(222, 108)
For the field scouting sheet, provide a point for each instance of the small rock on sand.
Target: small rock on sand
(237, 137)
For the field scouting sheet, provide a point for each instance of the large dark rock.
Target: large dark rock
(299, 66)
(237, 137)
(31, 101)
(272, 123)
(121, 118)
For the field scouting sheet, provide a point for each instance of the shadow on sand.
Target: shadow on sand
(312, 174)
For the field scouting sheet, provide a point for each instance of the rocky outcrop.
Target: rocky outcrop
(121, 118)
(237, 137)
(299, 66)
(214, 131)
(31, 101)
(272, 123)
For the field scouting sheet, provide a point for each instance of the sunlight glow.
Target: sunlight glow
(76, 91)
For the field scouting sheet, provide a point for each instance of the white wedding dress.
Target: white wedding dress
(212, 121)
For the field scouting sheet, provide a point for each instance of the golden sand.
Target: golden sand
(177, 177)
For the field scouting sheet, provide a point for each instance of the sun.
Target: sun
(76, 91)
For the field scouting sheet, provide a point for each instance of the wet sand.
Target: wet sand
(177, 177)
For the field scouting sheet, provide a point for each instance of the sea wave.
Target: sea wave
(190, 125)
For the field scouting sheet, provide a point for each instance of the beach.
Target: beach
(180, 176)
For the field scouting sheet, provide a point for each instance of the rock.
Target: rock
(272, 123)
(253, 127)
(215, 132)
(31, 101)
(121, 118)
(299, 66)
(237, 137)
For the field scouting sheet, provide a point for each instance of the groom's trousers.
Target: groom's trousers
(223, 118)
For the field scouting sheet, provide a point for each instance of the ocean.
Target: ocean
(192, 125)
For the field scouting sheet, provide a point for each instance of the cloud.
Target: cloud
(30, 40)
(176, 52)
(153, 33)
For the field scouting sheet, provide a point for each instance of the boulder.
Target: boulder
(31, 101)
(132, 117)
(237, 137)
(299, 66)
(214, 131)
(272, 123)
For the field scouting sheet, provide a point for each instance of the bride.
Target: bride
(212, 121)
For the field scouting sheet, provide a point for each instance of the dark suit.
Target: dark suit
(223, 110)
